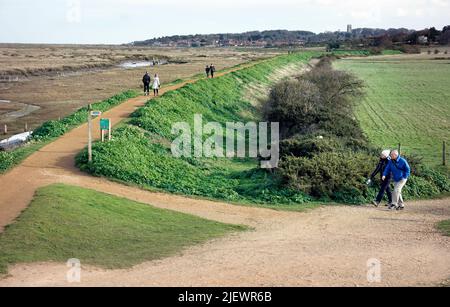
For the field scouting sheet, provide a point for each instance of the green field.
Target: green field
(65, 222)
(408, 102)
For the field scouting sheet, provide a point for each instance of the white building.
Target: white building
(349, 28)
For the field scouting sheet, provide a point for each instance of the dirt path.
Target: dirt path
(326, 247)
(329, 246)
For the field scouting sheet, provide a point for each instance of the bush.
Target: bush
(410, 49)
(329, 175)
(376, 51)
(310, 146)
(435, 177)
(418, 187)
(6, 161)
(50, 129)
(318, 100)
(290, 101)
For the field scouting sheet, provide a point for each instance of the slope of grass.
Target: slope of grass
(407, 102)
(444, 227)
(140, 152)
(65, 222)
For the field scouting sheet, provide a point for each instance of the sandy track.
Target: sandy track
(326, 247)
(329, 246)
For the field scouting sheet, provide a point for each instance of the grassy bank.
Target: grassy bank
(65, 222)
(140, 152)
(51, 130)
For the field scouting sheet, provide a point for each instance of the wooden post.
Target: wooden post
(90, 133)
(110, 130)
(444, 154)
(26, 127)
(5, 131)
(400, 148)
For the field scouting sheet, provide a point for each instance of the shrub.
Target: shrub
(418, 187)
(329, 175)
(294, 104)
(50, 129)
(318, 100)
(410, 49)
(309, 146)
(435, 177)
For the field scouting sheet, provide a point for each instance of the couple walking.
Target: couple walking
(210, 70)
(392, 167)
(156, 84)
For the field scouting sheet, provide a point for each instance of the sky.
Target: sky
(123, 21)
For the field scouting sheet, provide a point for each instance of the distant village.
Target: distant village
(361, 37)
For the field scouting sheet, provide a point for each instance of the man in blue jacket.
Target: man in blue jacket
(400, 170)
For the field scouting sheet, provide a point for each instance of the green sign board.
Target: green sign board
(105, 124)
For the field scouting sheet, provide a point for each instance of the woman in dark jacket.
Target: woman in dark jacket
(385, 184)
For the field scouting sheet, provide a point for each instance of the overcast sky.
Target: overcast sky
(122, 21)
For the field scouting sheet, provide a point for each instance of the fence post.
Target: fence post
(400, 148)
(5, 131)
(444, 154)
(26, 127)
(89, 134)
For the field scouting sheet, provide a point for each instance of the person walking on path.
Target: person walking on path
(212, 70)
(207, 70)
(385, 184)
(401, 171)
(146, 80)
(156, 85)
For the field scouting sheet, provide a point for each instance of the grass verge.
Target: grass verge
(66, 222)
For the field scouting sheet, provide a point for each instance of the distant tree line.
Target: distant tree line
(361, 37)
